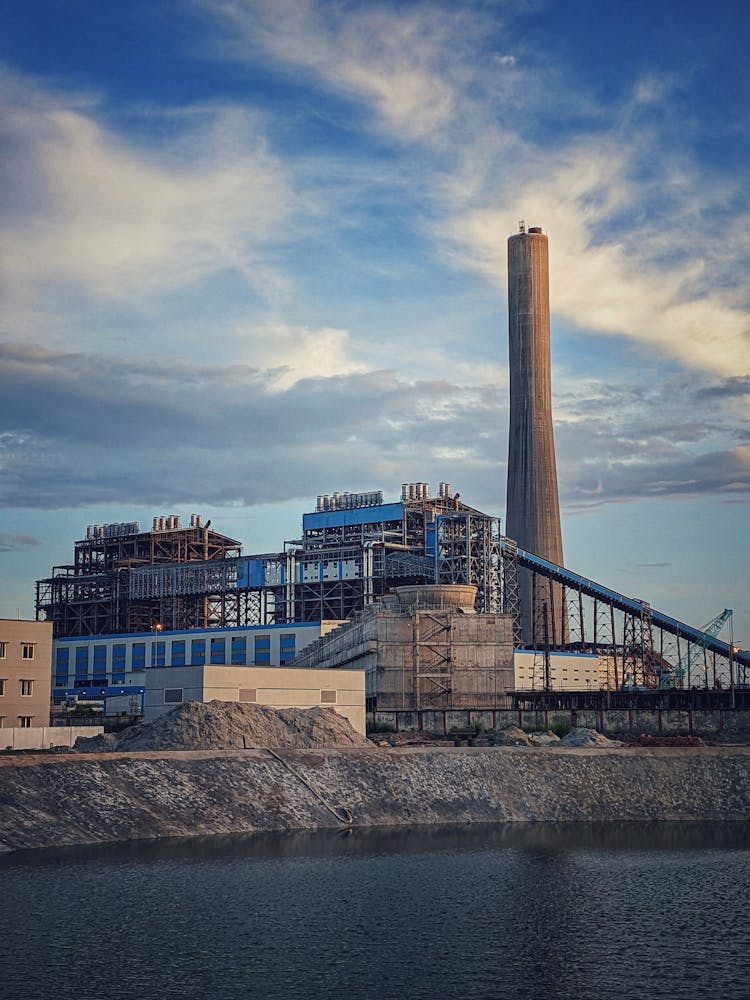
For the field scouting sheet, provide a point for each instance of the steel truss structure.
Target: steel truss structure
(94, 595)
(644, 647)
(184, 580)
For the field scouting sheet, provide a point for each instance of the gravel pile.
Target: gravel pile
(225, 725)
(511, 736)
(583, 737)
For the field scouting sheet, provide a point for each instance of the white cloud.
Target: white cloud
(609, 279)
(392, 59)
(114, 219)
(291, 353)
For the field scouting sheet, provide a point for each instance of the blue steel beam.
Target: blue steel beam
(628, 604)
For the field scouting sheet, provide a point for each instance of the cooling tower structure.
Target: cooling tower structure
(532, 508)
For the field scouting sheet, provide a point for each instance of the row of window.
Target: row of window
(24, 721)
(27, 687)
(220, 652)
(174, 696)
(27, 650)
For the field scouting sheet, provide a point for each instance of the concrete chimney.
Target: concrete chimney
(532, 510)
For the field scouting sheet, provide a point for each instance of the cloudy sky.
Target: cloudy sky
(254, 251)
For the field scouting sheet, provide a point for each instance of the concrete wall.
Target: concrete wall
(716, 726)
(77, 799)
(42, 737)
(25, 656)
(277, 687)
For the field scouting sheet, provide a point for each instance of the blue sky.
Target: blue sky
(252, 252)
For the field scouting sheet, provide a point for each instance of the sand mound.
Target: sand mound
(512, 736)
(583, 737)
(224, 725)
(543, 739)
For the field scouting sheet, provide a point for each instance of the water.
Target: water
(522, 911)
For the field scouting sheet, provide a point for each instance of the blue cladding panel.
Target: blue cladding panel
(430, 540)
(239, 649)
(250, 574)
(217, 653)
(359, 515)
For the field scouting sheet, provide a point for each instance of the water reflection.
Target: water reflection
(572, 911)
(538, 838)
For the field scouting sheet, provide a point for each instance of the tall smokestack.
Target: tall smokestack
(532, 508)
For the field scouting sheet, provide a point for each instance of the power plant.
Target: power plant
(385, 569)
(532, 507)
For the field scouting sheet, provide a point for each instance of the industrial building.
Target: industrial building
(114, 668)
(353, 548)
(95, 594)
(288, 687)
(423, 647)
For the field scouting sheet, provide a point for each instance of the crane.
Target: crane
(683, 668)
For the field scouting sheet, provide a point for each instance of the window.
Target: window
(158, 653)
(2, 686)
(138, 656)
(287, 648)
(82, 663)
(24, 721)
(172, 696)
(178, 653)
(118, 663)
(328, 697)
(198, 652)
(239, 650)
(100, 665)
(62, 666)
(263, 650)
(248, 694)
(27, 650)
(218, 651)
(27, 688)
(3, 650)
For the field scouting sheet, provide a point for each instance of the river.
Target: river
(519, 911)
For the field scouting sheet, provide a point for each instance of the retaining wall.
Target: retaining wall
(42, 737)
(71, 799)
(720, 726)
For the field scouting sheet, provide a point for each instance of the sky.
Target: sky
(252, 251)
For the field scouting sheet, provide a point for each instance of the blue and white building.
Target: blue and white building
(104, 667)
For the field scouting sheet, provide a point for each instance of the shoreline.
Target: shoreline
(54, 800)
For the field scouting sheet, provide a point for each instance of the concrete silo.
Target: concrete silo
(532, 508)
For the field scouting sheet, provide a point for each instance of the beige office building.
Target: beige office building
(25, 659)
(276, 687)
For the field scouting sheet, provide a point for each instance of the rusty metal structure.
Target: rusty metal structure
(93, 594)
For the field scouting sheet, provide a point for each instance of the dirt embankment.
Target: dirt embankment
(51, 800)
